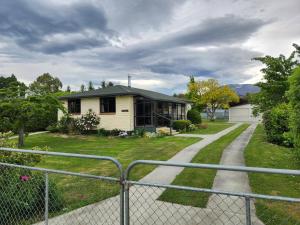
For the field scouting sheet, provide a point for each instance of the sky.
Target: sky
(160, 43)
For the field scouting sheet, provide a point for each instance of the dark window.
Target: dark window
(74, 106)
(108, 105)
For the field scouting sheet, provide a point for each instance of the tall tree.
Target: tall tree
(45, 84)
(68, 89)
(275, 84)
(11, 87)
(91, 86)
(211, 94)
(21, 113)
(82, 88)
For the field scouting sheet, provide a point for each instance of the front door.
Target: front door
(143, 113)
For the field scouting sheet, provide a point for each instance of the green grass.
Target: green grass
(79, 191)
(260, 153)
(201, 178)
(212, 127)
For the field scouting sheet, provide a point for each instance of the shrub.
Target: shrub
(294, 98)
(202, 126)
(22, 195)
(181, 125)
(53, 128)
(139, 132)
(192, 127)
(194, 116)
(276, 123)
(87, 122)
(103, 132)
(66, 124)
(22, 191)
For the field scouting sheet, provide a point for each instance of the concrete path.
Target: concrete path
(144, 206)
(166, 174)
(30, 134)
(232, 181)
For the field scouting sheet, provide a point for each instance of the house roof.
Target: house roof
(118, 90)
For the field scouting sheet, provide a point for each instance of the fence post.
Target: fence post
(248, 210)
(46, 198)
(126, 204)
(122, 200)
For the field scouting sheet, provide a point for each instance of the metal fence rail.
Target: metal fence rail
(120, 200)
(145, 204)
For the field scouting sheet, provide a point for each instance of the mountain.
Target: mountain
(244, 89)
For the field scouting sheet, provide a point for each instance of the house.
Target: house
(127, 108)
(243, 113)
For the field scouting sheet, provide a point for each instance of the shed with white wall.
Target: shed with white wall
(243, 113)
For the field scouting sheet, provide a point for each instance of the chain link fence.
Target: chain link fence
(32, 195)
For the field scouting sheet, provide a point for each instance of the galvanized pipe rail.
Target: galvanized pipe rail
(247, 196)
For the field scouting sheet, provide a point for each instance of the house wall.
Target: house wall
(119, 120)
(243, 113)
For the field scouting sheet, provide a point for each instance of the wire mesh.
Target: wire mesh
(71, 199)
(148, 205)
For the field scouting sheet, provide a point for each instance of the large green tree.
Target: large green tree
(45, 84)
(275, 81)
(11, 87)
(22, 113)
(211, 94)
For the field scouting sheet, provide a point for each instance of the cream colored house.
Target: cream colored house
(127, 108)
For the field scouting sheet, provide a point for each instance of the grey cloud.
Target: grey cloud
(35, 26)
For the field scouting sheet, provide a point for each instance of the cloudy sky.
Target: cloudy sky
(160, 42)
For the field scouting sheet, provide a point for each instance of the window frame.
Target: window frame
(110, 111)
(76, 108)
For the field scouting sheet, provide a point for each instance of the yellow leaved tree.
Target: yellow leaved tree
(211, 94)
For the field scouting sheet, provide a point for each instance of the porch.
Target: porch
(151, 114)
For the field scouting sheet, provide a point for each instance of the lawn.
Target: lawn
(201, 178)
(260, 153)
(81, 191)
(212, 127)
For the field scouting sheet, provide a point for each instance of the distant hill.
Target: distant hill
(244, 89)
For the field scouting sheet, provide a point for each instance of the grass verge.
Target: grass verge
(78, 191)
(201, 178)
(212, 127)
(260, 153)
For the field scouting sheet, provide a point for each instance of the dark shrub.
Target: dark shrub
(22, 196)
(194, 116)
(181, 125)
(103, 132)
(276, 123)
(115, 132)
(53, 128)
(139, 132)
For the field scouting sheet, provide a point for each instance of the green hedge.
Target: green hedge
(181, 125)
(194, 116)
(276, 123)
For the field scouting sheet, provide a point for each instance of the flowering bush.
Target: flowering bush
(87, 122)
(192, 127)
(22, 190)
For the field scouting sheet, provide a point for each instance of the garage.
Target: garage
(243, 113)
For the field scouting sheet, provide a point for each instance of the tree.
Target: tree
(275, 84)
(68, 89)
(211, 94)
(11, 87)
(91, 86)
(294, 98)
(45, 84)
(105, 84)
(82, 88)
(21, 113)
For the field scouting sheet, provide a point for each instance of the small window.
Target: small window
(74, 106)
(108, 105)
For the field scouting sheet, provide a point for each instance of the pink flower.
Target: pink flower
(24, 178)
